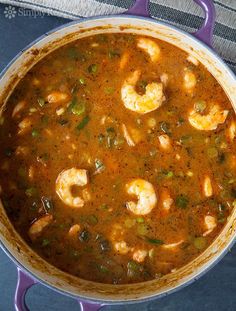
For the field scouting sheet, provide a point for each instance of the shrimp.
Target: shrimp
(145, 192)
(65, 180)
(124, 60)
(166, 199)
(74, 230)
(190, 80)
(117, 232)
(24, 126)
(150, 47)
(231, 132)
(209, 121)
(132, 137)
(121, 247)
(172, 246)
(151, 100)
(37, 226)
(140, 255)
(127, 137)
(18, 108)
(207, 187)
(165, 142)
(164, 78)
(57, 97)
(60, 111)
(210, 224)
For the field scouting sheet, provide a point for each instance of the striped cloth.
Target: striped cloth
(182, 13)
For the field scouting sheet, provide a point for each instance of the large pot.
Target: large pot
(32, 268)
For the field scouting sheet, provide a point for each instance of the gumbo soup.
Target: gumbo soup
(117, 160)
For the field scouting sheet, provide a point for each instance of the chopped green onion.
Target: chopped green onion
(32, 109)
(169, 174)
(113, 53)
(84, 236)
(199, 243)
(83, 123)
(200, 106)
(47, 204)
(104, 206)
(134, 269)
(76, 107)
(185, 139)
(105, 245)
(92, 220)
(140, 220)
(34, 206)
(221, 207)
(111, 130)
(63, 122)
(182, 201)
(101, 138)
(99, 166)
(30, 192)
(133, 265)
(165, 127)
(45, 242)
(103, 269)
(35, 133)
(180, 122)
(92, 68)
(82, 81)
(109, 90)
(118, 141)
(44, 120)
(41, 101)
(154, 241)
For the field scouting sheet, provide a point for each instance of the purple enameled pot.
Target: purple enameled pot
(32, 268)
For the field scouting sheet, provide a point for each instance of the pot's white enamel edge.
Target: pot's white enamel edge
(89, 290)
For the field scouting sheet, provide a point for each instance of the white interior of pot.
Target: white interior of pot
(30, 260)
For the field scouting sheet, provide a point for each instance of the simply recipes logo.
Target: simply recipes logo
(11, 12)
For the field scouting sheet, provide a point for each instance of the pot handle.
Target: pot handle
(139, 8)
(88, 306)
(24, 282)
(205, 33)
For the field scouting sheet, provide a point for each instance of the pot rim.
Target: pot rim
(216, 258)
(92, 18)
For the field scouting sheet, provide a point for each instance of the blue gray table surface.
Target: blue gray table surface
(215, 291)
